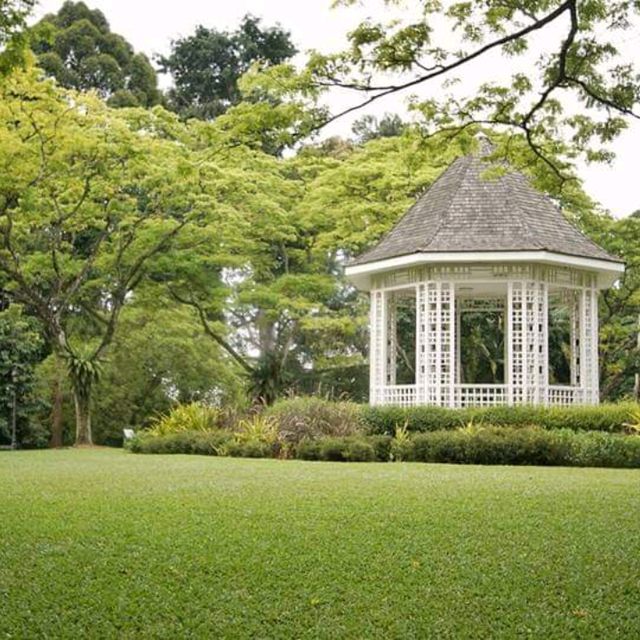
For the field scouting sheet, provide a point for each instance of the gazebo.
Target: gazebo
(472, 245)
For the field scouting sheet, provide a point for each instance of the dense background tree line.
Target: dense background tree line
(160, 248)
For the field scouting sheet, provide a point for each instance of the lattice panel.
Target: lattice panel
(391, 337)
(401, 395)
(481, 395)
(563, 396)
(574, 302)
(527, 337)
(439, 343)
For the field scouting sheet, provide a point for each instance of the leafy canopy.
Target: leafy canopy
(207, 65)
(77, 47)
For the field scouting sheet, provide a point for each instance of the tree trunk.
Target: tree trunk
(56, 414)
(83, 419)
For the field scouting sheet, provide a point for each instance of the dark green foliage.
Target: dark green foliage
(369, 127)
(208, 443)
(471, 445)
(78, 49)
(382, 447)
(493, 445)
(605, 417)
(21, 347)
(528, 446)
(250, 449)
(350, 449)
(206, 66)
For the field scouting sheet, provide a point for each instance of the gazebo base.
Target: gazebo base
(479, 395)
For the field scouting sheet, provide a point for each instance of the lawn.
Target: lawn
(101, 543)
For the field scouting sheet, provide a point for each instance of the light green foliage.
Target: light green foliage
(401, 442)
(257, 428)
(96, 202)
(577, 54)
(187, 417)
(198, 546)
(14, 38)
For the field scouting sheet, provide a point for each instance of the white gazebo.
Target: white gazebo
(475, 244)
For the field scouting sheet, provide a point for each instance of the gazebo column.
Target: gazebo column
(436, 343)
(527, 347)
(377, 346)
(589, 375)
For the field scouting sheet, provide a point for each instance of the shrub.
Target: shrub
(308, 450)
(307, 418)
(595, 449)
(199, 442)
(526, 445)
(348, 449)
(613, 418)
(381, 446)
(187, 417)
(249, 449)
(257, 428)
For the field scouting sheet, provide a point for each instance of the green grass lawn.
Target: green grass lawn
(100, 543)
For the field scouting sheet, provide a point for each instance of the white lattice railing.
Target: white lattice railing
(401, 395)
(564, 395)
(483, 395)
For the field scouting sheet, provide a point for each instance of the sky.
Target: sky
(150, 26)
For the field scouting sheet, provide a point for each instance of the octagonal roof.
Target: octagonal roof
(466, 212)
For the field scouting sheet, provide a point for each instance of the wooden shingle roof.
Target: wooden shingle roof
(464, 211)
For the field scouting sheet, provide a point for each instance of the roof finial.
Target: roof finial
(485, 145)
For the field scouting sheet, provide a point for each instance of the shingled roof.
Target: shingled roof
(463, 210)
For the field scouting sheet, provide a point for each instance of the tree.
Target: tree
(585, 64)
(20, 350)
(369, 127)
(96, 201)
(160, 356)
(13, 34)
(77, 48)
(206, 66)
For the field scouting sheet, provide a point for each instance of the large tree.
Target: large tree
(94, 202)
(207, 65)
(77, 47)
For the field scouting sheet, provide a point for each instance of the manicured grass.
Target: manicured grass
(106, 544)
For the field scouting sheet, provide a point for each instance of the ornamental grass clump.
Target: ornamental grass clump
(187, 417)
(311, 418)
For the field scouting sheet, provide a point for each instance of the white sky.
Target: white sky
(151, 25)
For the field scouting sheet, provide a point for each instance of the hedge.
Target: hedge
(605, 417)
(475, 445)
(527, 446)
(209, 443)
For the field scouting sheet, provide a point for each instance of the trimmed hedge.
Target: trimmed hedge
(527, 446)
(208, 443)
(476, 445)
(605, 417)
